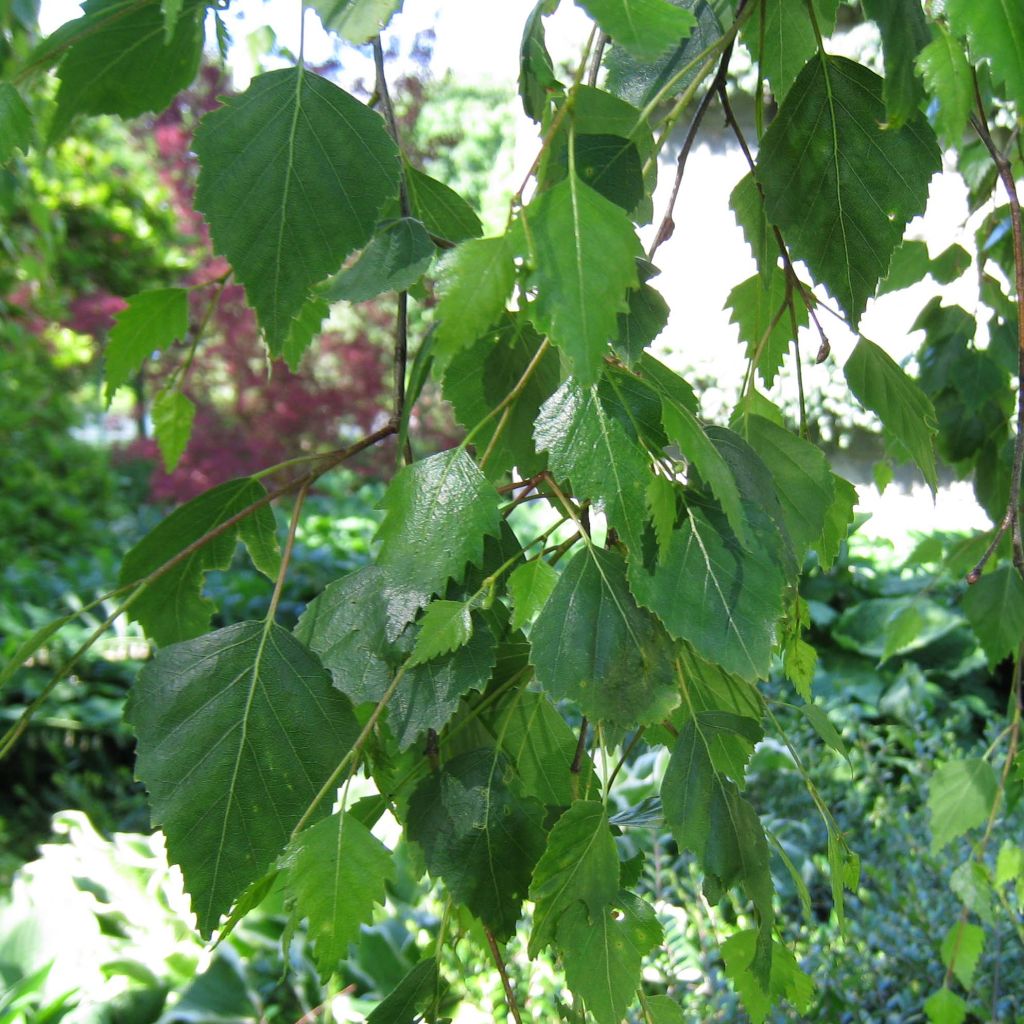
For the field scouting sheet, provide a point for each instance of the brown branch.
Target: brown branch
(499, 962)
(581, 746)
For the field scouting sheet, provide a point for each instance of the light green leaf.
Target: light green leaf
(438, 511)
(1009, 863)
(946, 74)
(994, 606)
(901, 630)
(960, 798)
(542, 747)
(904, 34)
(686, 431)
(995, 30)
(336, 873)
(665, 1010)
(971, 884)
(841, 188)
(479, 836)
(647, 28)
(15, 123)
(358, 21)
(237, 731)
(445, 627)
(475, 282)
(589, 447)
(173, 414)
(530, 586)
(304, 328)
(708, 591)
(415, 992)
(838, 520)
(787, 980)
(904, 409)
(844, 869)
(172, 608)
(444, 213)
(945, 1007)
(396, 258)
(593, 645)
(799, 660)
(961, 951)
(788, 36)
(579, 863)
(172, 11)
(748, 205)
(153, 320)
(537, 79)
(293, 173)
(119, 63)
(603, 954)
(730, 740)
(585, 252)
(803, 480)
(822, 725)
(760, 311)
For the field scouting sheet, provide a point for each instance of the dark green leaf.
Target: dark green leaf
(838, 520)
(960, 798)
(943, 67)
(537, 79)
(994, 606)
(995, 30)
(237, 732)
(646, 319)
(590, 448)
(611, 165)
(881, 386)
(479, 836)
(662, 503)
(336, 873)
(748, 205)
(358, 21)
(173, 414)
(172, 608)
(904, 34)
(647, 28)
(585, 252)
(414, 993)
(293, 174)
(840, 187)
(153, 320)
(593, 645)
(761, 309)
(119, 63)
(579, 863)
(396, 258)
(438, 512)
(15, 123)
(304, 328)
(444, 213)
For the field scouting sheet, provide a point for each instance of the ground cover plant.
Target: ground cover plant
(470, 703)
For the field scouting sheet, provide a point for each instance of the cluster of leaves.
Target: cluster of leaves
(448, 670)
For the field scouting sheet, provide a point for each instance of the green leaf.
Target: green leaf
(579, 863)
(237, 732)
(787, 981)
(611, 165)
(646, 319)
(530, 586)
(585, 252)
(336, 873)
(647, 28)
(640, 81)
(15, 123)
(838, 520)
(1009, 863)
(762, 313)
(960, 798)
(478, 836)
(172, 12)
(429, 693)
(475, 282)
(748, 205)
(994, 606)
(173, 414)
(414, 993)
(841, 188)
(445, 627)
(293, 173)
(722, 599)
(152, 320)
(438, 511)
(904, 409)
(479, 378)
(172, 608)
(665, 1010)
(304, 328)
(904, 34)
(946, 74)
(661, 502)
(352, 626)
(396, 258)
(995, 31)
(444, 213)
(686, 431)
(537, 79)
(594, 646)
(118, 62)
(603, 954)
(590, 448)
(799, 660)
(542, 747)
(358, 21)
(945, 1007)
(961, 951)
(788, 36)
(827, 732)
(971, 883)
(803, 480)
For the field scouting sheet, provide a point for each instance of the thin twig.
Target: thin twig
(595, 60)
(581, 746)
(499, 962)
(286, 555)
